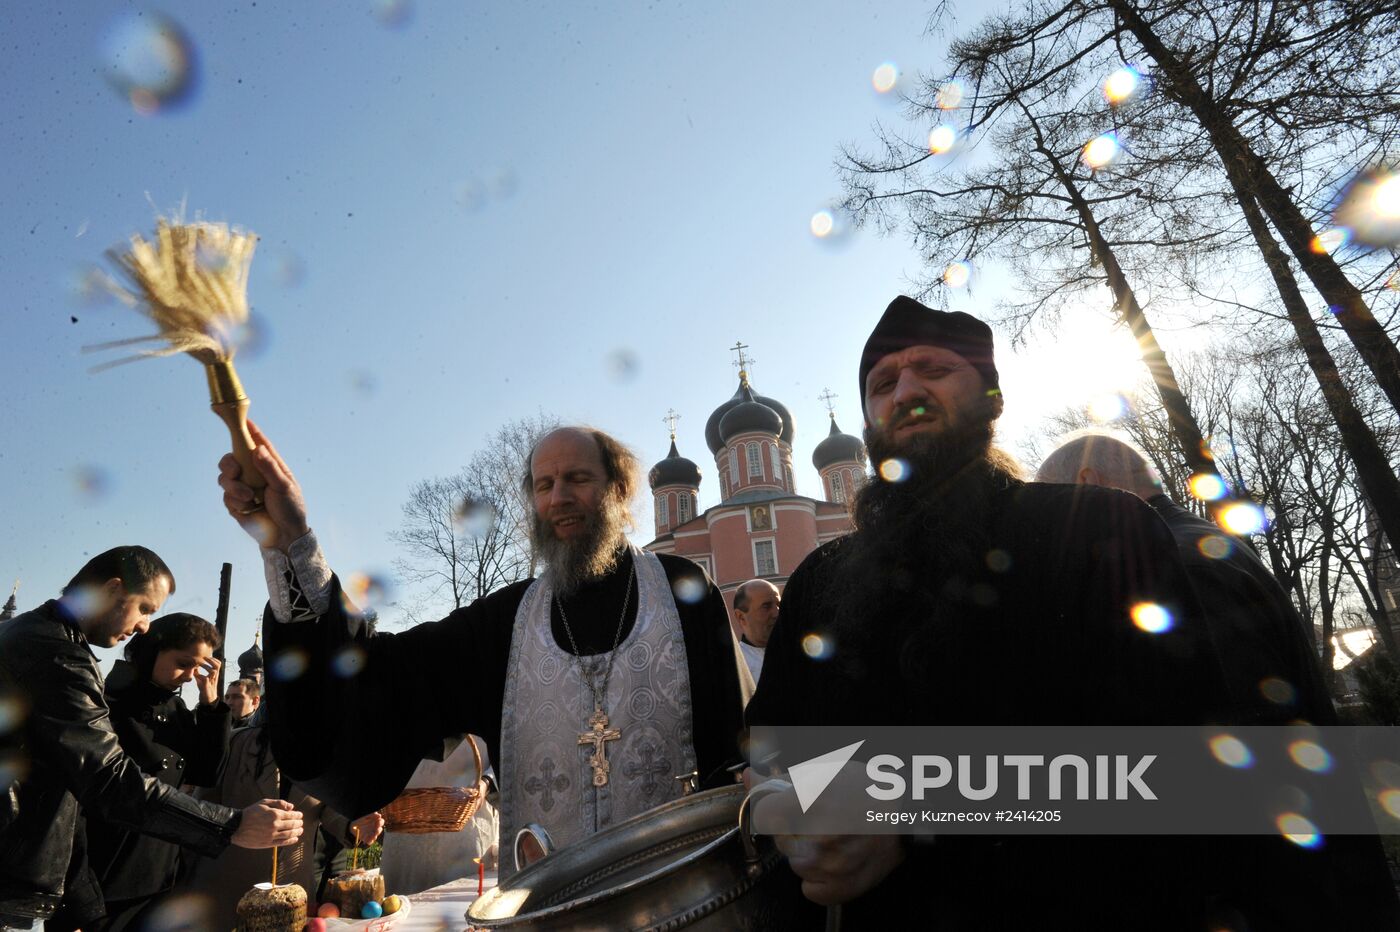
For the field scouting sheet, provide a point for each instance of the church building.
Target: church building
(761, 528)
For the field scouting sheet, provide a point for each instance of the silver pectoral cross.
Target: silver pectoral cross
(598, 733)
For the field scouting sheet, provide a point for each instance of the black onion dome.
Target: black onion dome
(712, 431)
(250, 661)
(675, 470)
(749, 415)
(837, 448)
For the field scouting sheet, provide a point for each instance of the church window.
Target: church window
(787, 474)
(733, 468)
(683, 506)
(765, 563)
(777, 463)
(661, 515)
(755, 460)
(838, 487)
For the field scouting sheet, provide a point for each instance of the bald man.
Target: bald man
(1270, 665)
(756, 609)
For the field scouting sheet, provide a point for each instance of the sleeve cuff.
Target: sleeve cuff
(304, 568)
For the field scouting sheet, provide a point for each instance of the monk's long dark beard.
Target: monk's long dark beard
(916, 535)
(585, 558)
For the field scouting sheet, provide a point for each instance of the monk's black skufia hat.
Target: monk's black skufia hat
(907, 323)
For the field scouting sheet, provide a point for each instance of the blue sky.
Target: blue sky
(466, 217)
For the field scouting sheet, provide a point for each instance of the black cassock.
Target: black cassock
(355, 740)
(1038, 634)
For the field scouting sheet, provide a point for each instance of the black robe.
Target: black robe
(1040, 635)
(354, 741)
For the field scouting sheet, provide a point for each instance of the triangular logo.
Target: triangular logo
(811, 777)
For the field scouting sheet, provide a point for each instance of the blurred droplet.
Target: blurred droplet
(1122, 85)
(1393, 282)
(957, 274)
(1220, 447)
(1386, 773)
(475, 518)
(1207, 486)
(623, 365)
(1370, 208)
(368, 589)
(504, 184)
(885, 77)
(998, 561)
(1278, 691)
(1330, 240)
(1151, 617)
(689, 589)
(1215, 546)
(182, 912)
(92, 482)
(1242, 518)
(1101, 150)
(252, 337)
(150, 60)
(1310, 756)
(894, 469)
(831, 226)
(289, 270)
(470, 195)
(288, 664)
(14, 767)
(91, 287)
(1390, 802)
(942, 139)
(816, 646)
(363, 382)
(1231, 752)
(259, 527)
(12, 714)
(394, 14)
(949, 96)
(1298, 830)
(349, 661)
(1110, 406)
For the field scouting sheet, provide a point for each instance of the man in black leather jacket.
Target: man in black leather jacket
(58, 750)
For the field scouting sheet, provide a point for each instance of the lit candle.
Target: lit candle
(355, 851)
(480, 876)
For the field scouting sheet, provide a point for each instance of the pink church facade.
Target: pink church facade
(761, 528)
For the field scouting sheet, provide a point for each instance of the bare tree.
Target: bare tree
(467, 534)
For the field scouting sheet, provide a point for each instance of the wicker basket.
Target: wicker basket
(424, 810)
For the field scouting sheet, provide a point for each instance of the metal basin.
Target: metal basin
(683, 865)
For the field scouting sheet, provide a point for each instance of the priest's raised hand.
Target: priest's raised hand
(282, 517)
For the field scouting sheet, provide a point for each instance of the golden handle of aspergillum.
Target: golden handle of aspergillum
(227, 400)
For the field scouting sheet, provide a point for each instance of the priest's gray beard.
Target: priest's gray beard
(591, 556)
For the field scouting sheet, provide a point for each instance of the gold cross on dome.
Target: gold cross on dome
(670, 421)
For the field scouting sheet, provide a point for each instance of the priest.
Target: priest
(605, 687)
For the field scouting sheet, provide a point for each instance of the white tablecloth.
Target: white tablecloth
(444, 907)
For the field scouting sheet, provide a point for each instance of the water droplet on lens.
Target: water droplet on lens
(884, 78)
(287, 665)
(689, 589)
(92, 482)
(150, 60)
(623, 365)
(1231, 751)
(895, 470)
(349, 661)
(475, 518)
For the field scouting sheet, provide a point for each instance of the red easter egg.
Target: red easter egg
(328, 911)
